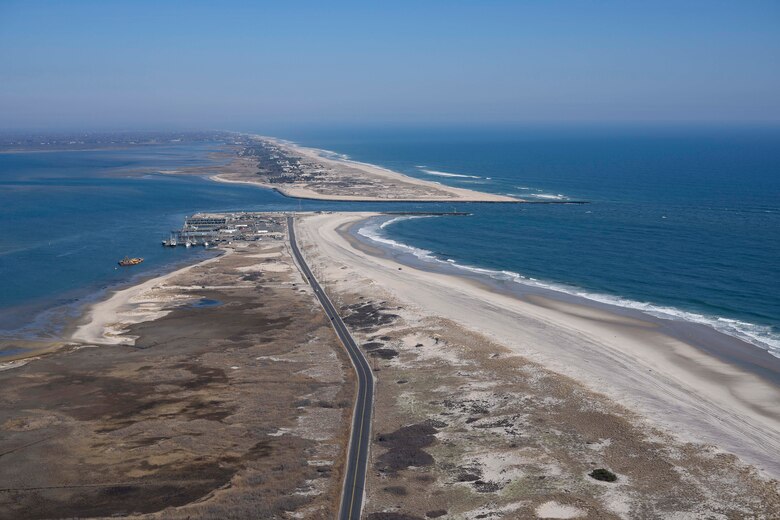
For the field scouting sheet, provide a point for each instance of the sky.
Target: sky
(256, 65)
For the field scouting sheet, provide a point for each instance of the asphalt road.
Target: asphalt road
(357, 456)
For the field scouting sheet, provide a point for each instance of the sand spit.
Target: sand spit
(235, 410)
(308, 173)
(492, 407)
(106, 322)
(486, 406)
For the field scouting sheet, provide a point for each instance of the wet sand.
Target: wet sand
(518, 391)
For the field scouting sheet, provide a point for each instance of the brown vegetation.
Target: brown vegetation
(233, 410)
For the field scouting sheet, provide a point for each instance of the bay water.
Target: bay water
(683, 223)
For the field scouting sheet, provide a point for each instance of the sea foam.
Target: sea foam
(373, 231)
(448, 174)
(758, 335)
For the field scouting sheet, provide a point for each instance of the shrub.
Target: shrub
(603, 474)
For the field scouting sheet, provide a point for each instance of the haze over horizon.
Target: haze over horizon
(248, 66)
(430, 260)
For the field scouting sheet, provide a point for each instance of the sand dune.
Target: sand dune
(672, 384)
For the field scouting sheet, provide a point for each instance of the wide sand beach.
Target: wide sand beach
(490, 404)
(309, 173)
(696, 395)
(486, 405)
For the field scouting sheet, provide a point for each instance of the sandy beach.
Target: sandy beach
(669, 387)
(215, 391)
(486, 405)
(320, 177)
(674, 384)
(106, 321)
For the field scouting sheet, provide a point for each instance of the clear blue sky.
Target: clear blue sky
(253, 65)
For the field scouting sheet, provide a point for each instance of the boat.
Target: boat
(127, 261)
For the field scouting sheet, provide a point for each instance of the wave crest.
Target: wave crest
(448, 174)
(761, 336)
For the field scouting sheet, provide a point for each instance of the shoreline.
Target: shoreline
(304, 194)
(90, 326)
(454, 354)
(93, 326)
(728, 348)
(373, 181)
(676, 385)
(280, 191)
(219, 371)
(462, 194)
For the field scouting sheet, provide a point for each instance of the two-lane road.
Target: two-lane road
(357, 452)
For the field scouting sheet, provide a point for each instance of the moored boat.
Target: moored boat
(127, 261)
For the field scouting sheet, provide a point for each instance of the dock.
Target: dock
(208, 229)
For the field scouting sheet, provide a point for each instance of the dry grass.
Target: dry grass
(209, 415)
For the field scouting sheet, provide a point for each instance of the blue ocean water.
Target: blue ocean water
(681, 222)
(68, 217)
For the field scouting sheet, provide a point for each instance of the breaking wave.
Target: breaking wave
(330, 154)
(374, 231)
(448, 174)
(548, 196)
(761, 336)
(539, 194)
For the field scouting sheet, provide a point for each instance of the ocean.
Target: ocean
(68, 217)
(681, 223)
